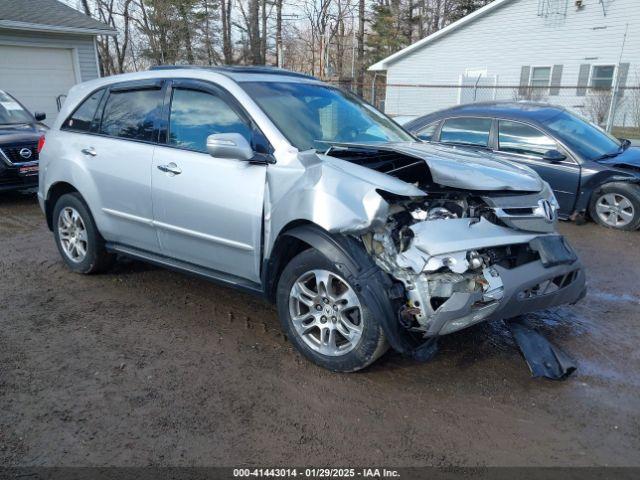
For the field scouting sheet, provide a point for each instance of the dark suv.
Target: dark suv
(19, 135)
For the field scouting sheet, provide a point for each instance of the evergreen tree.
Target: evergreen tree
(384, 37)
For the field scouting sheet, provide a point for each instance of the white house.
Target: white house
(46, 47)
(569, 49)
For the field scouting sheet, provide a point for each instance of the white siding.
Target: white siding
(513, 35)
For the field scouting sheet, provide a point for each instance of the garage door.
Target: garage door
(36, 76)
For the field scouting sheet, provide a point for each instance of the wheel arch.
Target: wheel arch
(358, 268)
(291, 241)
(594, 185)
(55, 191)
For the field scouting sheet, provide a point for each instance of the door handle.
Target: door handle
(89, 151)
(170, 168)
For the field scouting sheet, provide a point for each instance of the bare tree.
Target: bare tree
(597, 105)
(112, 50)
(334, 39)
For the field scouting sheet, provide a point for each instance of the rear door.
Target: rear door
(118, 155)
(525, 144)
(209, 210)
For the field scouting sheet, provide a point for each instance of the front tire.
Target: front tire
(324, 316)
(77, 238)
(617, 205)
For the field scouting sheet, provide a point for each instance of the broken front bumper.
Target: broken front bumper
(527, 288)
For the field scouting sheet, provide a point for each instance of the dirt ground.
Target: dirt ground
(144, 366)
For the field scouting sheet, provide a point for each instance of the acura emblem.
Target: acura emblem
(547, 210)
(25, 153)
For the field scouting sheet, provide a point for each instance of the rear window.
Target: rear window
(466, 131)
(132, 114)
(82, 120)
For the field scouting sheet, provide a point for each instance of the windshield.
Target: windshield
(586, 139)
(314, 116)
(11, 111)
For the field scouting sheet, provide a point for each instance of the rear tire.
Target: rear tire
(341, 335)
(80, 244)
(616, 205)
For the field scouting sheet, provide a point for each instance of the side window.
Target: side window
(426, 133)
(467, 131)
(519, 138)
(82, 119)
(132, 114)
(195, 115)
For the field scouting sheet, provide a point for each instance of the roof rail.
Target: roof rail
(263, 70)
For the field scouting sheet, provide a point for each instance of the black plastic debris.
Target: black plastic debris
(544, 358)
(426, 351)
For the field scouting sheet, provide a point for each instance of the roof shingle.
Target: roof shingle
(48, 15)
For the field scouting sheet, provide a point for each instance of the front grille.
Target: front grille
(12, 152)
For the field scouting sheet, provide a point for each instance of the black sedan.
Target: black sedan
(19, 135)
(590, 172)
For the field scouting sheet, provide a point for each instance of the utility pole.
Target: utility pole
(360, 80)
(616, 85)
(279, 59)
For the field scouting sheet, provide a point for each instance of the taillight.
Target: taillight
(40, 144)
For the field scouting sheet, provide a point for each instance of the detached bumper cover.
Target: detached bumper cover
(527, 288)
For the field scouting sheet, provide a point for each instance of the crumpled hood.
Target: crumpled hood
(465, 169)
(629, 159)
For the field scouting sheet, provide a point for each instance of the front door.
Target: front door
(527, 145)
(207, 211)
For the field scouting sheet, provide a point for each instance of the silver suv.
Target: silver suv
(277, 183)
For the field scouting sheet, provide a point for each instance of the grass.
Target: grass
(627, 132)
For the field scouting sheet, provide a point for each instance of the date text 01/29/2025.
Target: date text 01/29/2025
(316, 472)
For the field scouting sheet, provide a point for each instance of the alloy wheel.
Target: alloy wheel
(72, 234)
(615, 210)
(326, 312)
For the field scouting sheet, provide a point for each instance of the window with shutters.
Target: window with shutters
(540, 77)
(602, 76)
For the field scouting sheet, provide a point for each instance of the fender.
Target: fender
(593, 184)
(380, 295)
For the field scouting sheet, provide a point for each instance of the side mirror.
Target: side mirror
(554, 156)
(229, 145)
(39, 116)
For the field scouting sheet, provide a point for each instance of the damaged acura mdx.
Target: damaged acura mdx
(277, 183)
